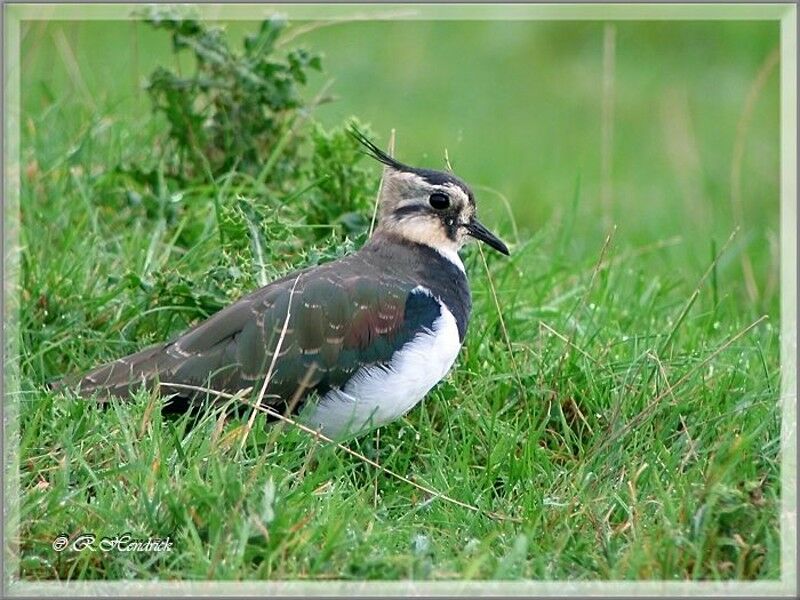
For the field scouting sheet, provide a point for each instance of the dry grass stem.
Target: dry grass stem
(607, 141)
(390, 152)
(760, 80)
(638, 419)
(506, 337)
(274, 360)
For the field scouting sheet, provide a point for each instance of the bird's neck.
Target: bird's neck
(441, 272)
(447, 251)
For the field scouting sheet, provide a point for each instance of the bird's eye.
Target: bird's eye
(439, 201)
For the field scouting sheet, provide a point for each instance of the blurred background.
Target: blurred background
(667, 130)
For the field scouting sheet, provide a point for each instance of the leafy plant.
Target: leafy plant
(235, 108)
(343, 190)
(283, 183)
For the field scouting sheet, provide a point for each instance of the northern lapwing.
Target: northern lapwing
(359, 340)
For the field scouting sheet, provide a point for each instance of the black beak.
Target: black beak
(479, 232)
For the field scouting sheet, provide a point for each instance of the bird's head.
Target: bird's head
(429, 207)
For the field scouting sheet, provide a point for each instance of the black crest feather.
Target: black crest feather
(429, 175)
(376, 152)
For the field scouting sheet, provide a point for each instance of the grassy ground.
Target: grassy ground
(633, 430)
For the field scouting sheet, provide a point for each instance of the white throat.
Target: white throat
(452, 256)
(422, 235)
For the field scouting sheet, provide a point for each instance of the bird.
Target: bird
(345, 346)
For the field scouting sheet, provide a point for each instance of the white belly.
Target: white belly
(377, 395)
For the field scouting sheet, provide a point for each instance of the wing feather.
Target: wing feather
(338, 324)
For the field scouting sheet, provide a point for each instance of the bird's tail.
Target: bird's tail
(119, 378)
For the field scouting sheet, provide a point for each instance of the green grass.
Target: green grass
(633, 431)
